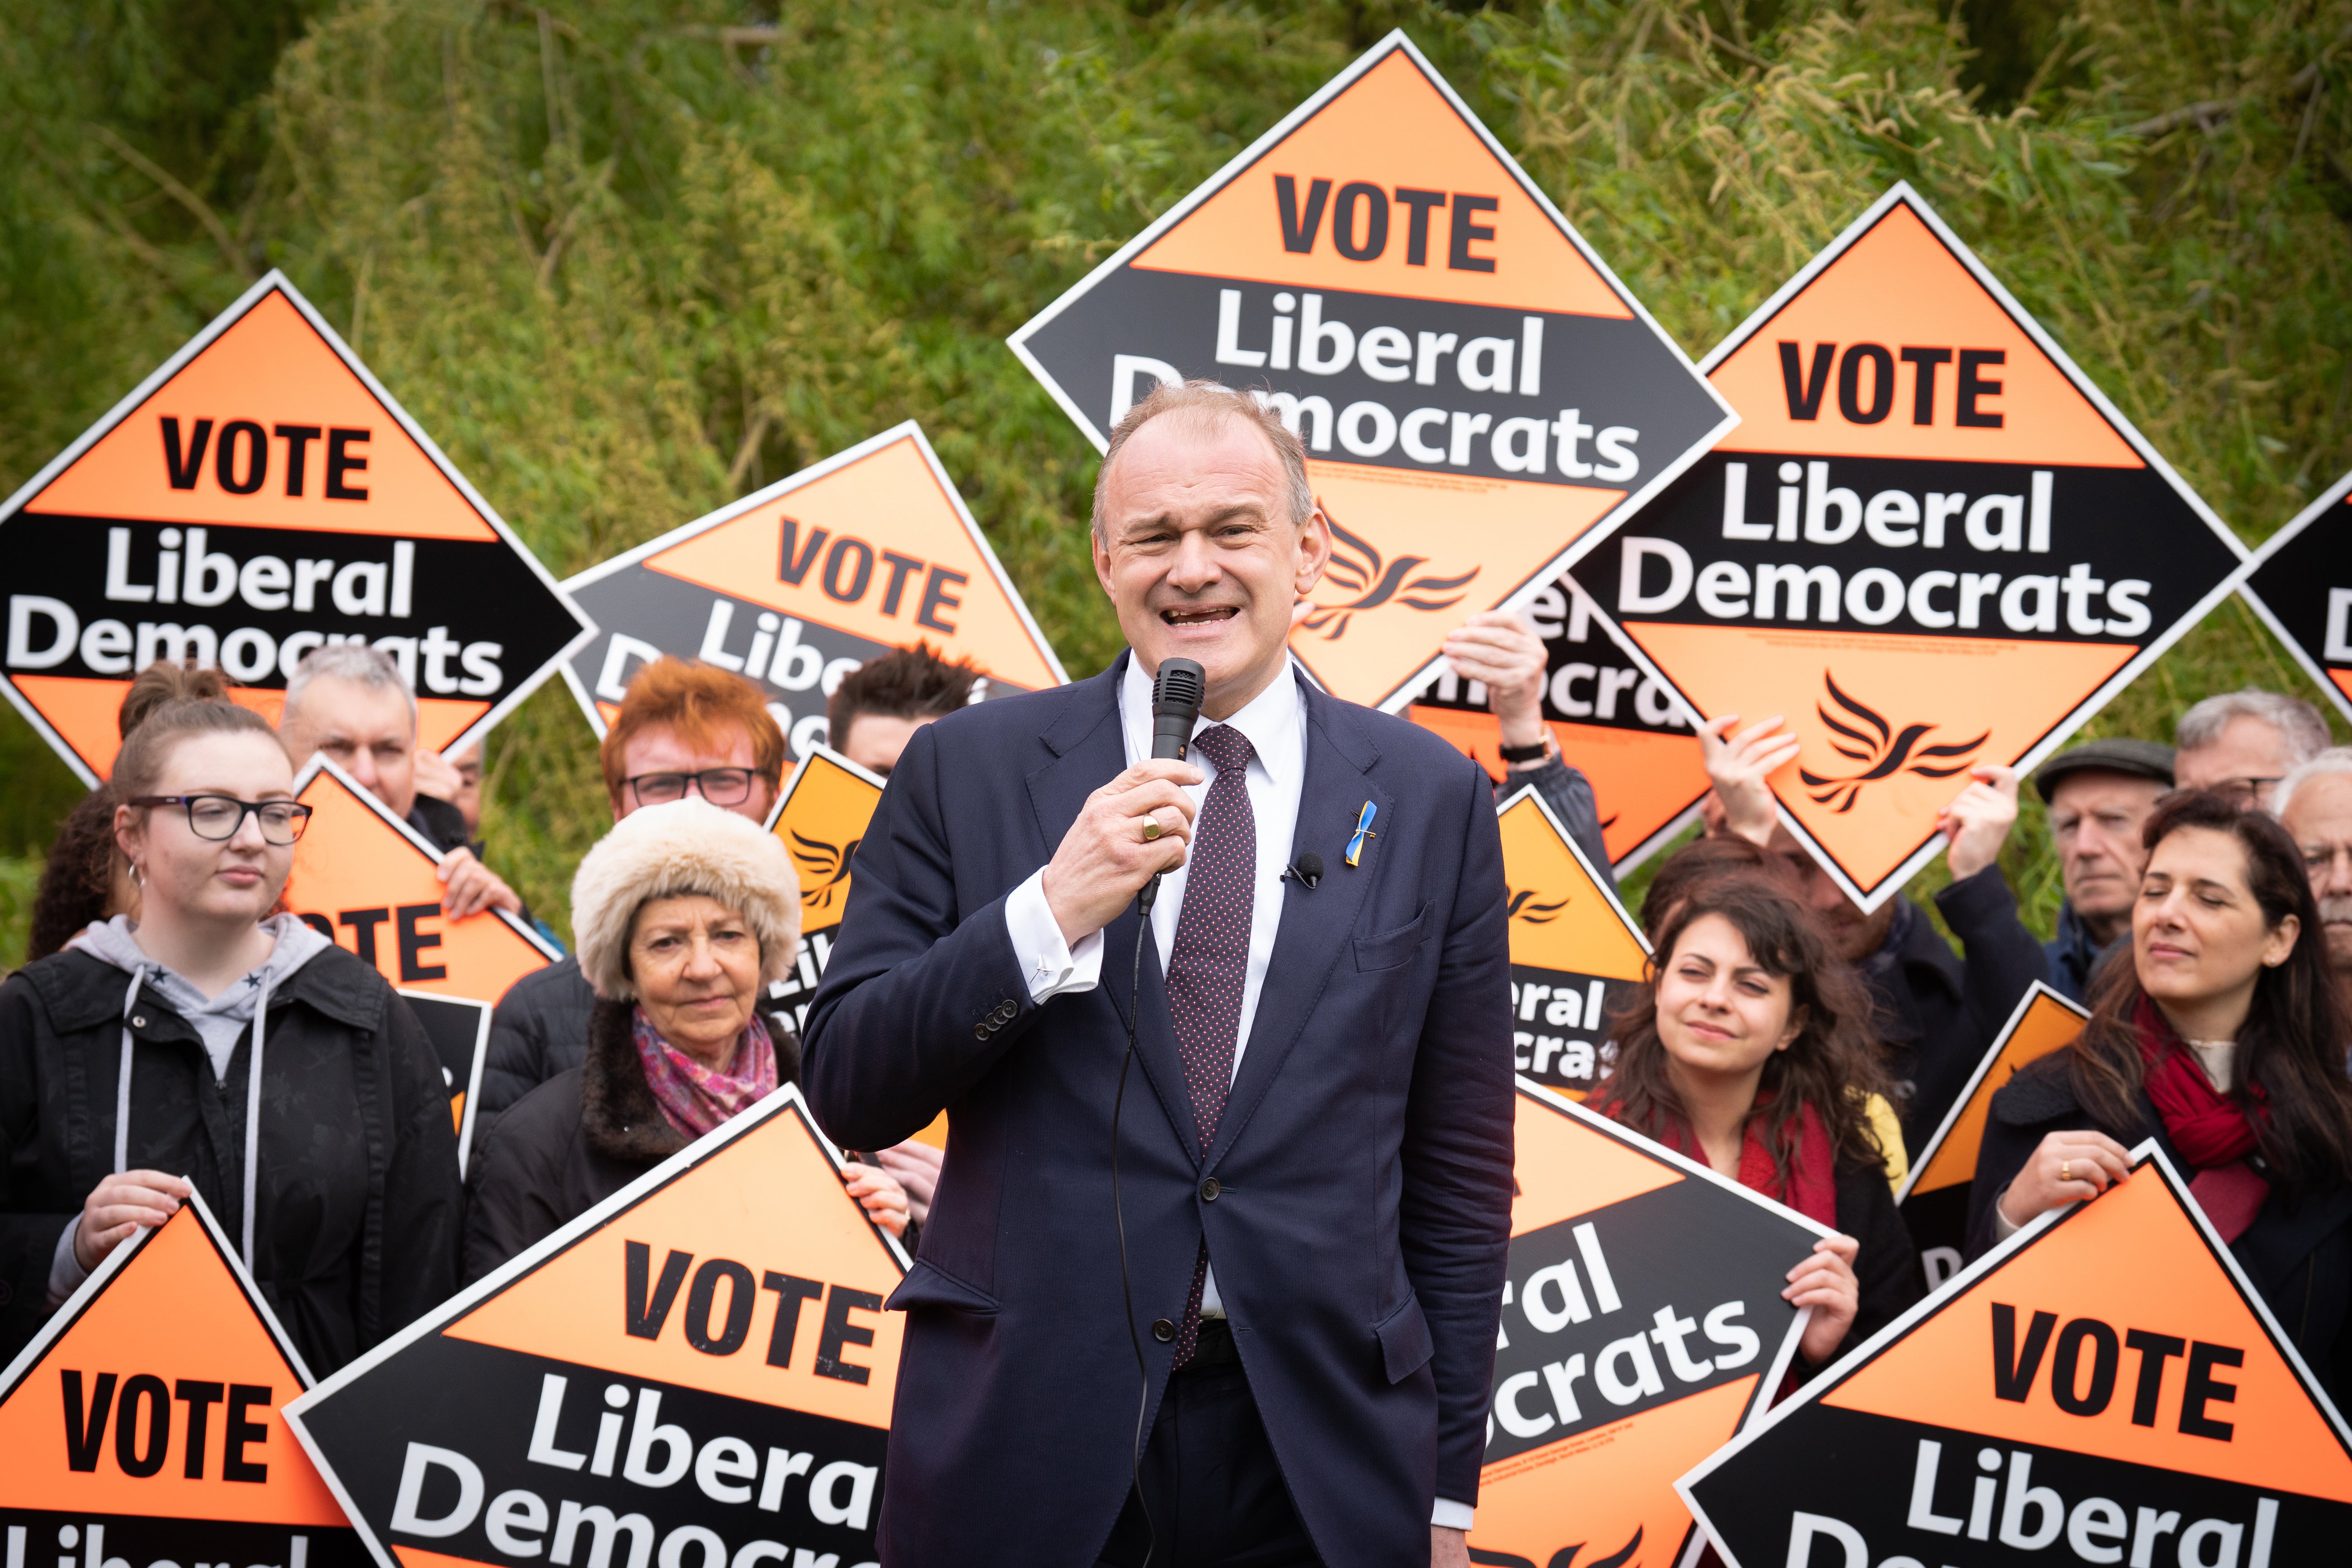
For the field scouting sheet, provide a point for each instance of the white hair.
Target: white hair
(352, 661)
(2297, 721)
(2335, 759)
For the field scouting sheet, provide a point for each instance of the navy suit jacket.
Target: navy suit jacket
(1362, 1210)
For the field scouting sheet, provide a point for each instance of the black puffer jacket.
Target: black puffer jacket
(574, 1140)
(540, 1029)
(2298, 1254)
(357, 1223)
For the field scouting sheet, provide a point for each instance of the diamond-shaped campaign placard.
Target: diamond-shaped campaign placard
(701, 1362)
(1934, 1193)
(365, 879)
(1575, 952)
(1618, 723)
(2300, 583)
(257, 497)
(796, 585)
(2104, 1386)
(1480, 398)
(143, 1423)
(1641, 1323)
(1932, 543)
(821, 815)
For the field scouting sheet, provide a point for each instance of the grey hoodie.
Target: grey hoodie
(221, 1019)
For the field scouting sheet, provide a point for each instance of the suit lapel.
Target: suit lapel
(1089, 749)
(1318, 923)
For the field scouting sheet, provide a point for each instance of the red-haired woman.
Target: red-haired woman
(1749, 1048)
(2223, 1039)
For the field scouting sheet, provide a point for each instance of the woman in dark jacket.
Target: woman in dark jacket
(685, 914)
(2224, 1040)
(257, 1063)
(1748, 1049)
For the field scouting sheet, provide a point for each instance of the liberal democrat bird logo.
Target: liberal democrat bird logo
(1566, 1556)
(1884, 752)
(1524, 907)
(823, 867)
(1358, 569)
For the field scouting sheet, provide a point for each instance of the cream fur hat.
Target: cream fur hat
(683, 846)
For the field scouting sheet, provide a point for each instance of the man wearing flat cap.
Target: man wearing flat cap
(2099, 794)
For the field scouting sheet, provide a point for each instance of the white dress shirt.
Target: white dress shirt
(1275, 723)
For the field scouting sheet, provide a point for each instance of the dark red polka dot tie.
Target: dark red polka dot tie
(1208, 963)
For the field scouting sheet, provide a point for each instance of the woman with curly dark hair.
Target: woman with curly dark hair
(2224, 1040)
(1749, 1048)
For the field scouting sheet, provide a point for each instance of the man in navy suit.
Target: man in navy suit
(1314, 1152)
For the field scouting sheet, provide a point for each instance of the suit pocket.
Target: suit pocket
(1405, 1345)
(1388, 949)
(926, 1285)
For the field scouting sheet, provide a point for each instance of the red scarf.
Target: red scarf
(2214, 1135)
(1811, 1187)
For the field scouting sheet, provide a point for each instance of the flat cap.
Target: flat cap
(2134, 759)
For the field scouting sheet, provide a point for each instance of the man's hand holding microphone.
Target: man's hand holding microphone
(1136, 827)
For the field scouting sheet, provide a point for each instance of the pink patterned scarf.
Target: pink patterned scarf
(697, 1098)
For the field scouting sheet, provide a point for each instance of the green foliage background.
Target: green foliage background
(628, 260)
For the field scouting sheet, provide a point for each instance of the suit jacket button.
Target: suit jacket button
(1164, 1330)
(982, 1031)
(1209, 1190)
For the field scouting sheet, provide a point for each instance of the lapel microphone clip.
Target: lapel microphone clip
(1306, 870)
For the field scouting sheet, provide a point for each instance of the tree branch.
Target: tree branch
(196, 206)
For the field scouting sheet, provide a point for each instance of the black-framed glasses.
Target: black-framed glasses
(2245, 791)
(218, 817)
(720, 787)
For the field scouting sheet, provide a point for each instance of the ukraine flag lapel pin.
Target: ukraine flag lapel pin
(1363, 831)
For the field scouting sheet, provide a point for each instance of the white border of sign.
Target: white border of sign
(320, 762)
(1601, 880)
(678, 1165)
(2147, 1159)
(1394, 42)
(2034, 992)
(2331, 498)
(903, 430)
(481, 1057)
(2083, 711)
(275, 279)
(792, 781)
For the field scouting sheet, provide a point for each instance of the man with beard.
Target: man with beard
(2314, 802)
(1936, 1012)
(2100, 795)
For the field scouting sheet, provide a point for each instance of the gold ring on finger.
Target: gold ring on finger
(1151, 828)
(2066, 1170)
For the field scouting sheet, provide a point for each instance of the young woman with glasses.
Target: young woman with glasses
(211, 1046)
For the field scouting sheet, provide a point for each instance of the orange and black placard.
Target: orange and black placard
(1617, 722)
(1643, 1324)
(2106, 1387)
(2300, 583)
(821, 816)
(364, 878)
(143, 1423)
(459, 1028)
(717, 1322)
(1934, 1193)
(1479, 398)
(796, 585)
(1931, 545)
(1575, 952)
(259, 496)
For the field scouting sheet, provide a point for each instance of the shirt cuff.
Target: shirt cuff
(2002, 1229)
(1051, 966)
(1451, 1515)
(65, 1272)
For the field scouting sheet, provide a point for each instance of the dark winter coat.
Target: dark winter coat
(538, 1031)
(1886, 1267)
(1936, 1014)
(574, 1140)
(358, 1205)
(2298, 1254)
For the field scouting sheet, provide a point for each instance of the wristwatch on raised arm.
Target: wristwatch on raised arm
(1541, 751)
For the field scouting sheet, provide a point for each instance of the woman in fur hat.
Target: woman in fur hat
(685, 914)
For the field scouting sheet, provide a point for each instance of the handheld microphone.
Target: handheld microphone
(1306, 870)
(1176, 695)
